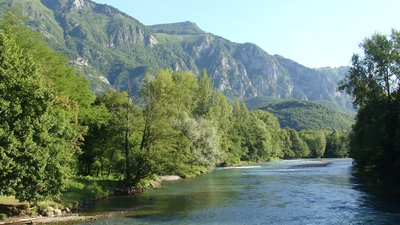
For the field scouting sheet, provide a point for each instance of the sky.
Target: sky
(315, 33)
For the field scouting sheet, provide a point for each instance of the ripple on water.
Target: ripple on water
(284, 192)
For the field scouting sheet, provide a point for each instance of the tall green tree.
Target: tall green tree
(220, 115)
(203, 94)
(38, 134)
(337, 144)
(271, 123)
(373, 82)
(298, 146)
(160, 142)
(316, 142)
(109, 144)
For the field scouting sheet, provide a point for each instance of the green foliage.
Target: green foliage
(303, 115)
(54, 67)
(373, 82)
(298, 146)
(82, 189)
(271, 123)
(43, 103)
(184, 28)
(104, 149)
(203, 95)
(38, 134)
(316, 142)
(221, 115)
(186, 125)
(337, 144)
(203, 141)
(3, 216)
(176, 132)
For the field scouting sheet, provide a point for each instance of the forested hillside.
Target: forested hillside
(302, 115)
(113, 49)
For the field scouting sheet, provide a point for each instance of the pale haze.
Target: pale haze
(315, 33)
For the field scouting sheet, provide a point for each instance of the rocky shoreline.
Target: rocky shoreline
(44, 220)
(55, 219)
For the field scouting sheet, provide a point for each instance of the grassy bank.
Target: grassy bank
(81, 191)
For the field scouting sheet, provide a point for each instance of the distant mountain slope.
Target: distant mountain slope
(304, 115)
(184, 28)
(112, 48)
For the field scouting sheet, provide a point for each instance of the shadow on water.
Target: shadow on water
(376, 197)
(312, 164)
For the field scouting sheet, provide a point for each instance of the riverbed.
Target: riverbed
(282, 192)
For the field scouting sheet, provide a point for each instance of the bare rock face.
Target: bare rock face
(67, 4)
(78, 4)
(152, 41)
(266, 75)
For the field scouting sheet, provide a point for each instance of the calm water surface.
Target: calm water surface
(283, 192)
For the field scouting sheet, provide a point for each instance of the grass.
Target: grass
(191, 171)
(81, 190)
(9, 200)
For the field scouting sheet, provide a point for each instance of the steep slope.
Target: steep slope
(304, 115)
(315, 84)
(112, 48)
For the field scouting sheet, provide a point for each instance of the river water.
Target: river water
(281, 192)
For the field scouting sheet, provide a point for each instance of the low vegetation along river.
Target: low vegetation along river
(282, 192)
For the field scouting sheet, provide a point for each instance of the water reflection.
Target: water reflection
(285, 192)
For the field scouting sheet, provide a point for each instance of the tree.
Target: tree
(258, 140)
(109, 144)
(298, 146)
(162, 144)
(204, 94)
(271, 123)
(337, 144)
(203, 142)
(373, 82)
(221, 116)
(287, 145)
(57, 73)
(38, 135)
(316, 142)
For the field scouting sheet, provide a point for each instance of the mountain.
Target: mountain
(305, 115)
(112, 48)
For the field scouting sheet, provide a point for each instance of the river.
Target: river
(281, 192)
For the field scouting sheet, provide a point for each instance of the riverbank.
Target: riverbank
(313, 195)
(81, 192)
(57, 219)
(44, 220)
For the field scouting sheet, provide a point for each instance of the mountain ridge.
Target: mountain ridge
(112, 48)
(182, 28)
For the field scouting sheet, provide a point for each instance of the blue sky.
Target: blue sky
(315, 33)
